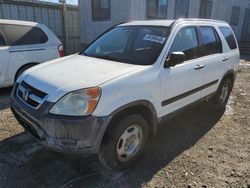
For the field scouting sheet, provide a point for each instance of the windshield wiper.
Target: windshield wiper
(106, 57)
(111, 58)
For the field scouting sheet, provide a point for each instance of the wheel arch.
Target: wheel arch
(142, 107)
(27, 65)
(229, 74)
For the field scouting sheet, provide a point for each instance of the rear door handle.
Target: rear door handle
(225, 59)
(199, 67)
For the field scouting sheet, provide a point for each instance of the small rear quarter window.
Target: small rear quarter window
(228, 35)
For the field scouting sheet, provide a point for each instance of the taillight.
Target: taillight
(61, 50)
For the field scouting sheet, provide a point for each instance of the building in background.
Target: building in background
(96, 16)
(50, 14)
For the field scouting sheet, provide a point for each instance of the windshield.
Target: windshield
(139, 45)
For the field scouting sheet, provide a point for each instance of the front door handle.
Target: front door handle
(199, 67)
(225, 59)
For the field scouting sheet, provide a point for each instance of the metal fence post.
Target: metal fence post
(64, 22)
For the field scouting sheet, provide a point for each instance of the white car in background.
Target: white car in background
(23, 45)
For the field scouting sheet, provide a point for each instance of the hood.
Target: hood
(75, 72)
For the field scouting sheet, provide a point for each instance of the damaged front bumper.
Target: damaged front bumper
(68, 134)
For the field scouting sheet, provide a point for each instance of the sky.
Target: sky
(72, 2)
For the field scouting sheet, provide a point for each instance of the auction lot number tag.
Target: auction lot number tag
(155, 38)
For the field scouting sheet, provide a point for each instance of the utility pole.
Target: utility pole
(64, 23)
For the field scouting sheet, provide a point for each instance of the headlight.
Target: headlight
(77, 103)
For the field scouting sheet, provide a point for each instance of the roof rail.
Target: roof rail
(194, 19)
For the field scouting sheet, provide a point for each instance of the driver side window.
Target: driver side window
(186, 41)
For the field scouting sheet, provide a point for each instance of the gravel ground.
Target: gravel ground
(199, 148)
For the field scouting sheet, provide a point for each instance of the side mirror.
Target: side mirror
(174, 59)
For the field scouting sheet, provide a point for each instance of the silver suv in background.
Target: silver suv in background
(23, 45)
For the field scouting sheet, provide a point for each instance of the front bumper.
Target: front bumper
(68, 134)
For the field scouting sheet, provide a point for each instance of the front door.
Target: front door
(4, 59)
(245, 36)
(180, 85)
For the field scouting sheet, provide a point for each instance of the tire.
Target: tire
(124, 142)
(22, 69)
(221, 98)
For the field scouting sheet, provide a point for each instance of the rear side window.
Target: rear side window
(186, 41)
(228, 35)
(2, 40)
(210, 42)
(23, 35)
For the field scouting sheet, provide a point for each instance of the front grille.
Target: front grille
(30, 95)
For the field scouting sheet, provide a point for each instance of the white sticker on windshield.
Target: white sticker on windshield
(154, 38)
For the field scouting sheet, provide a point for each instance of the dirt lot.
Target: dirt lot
(199, 148)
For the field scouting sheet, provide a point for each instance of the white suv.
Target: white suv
(23, 45)
(110, 98)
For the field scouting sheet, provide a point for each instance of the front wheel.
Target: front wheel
(223, 93)
(124, 144)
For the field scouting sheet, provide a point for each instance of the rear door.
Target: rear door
(211, 56)
(231, 54)
(4, 59)
(27, 46)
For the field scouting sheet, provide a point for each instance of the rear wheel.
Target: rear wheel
(124, 144)
(221, 98)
